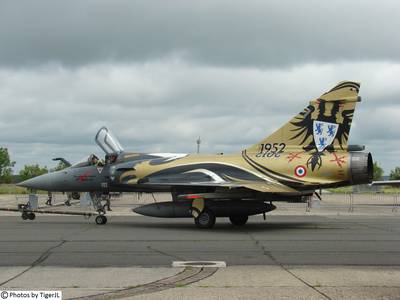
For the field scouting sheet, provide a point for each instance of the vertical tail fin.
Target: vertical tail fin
(324, 123)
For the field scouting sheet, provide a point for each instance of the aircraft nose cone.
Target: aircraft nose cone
(42, 182)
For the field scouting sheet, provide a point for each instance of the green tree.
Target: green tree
(5, 166)
(378, 171)
(395, 174)
(30, 171)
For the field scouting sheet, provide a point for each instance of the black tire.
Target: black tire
(238, 220)
(101, 220)
(24, 216)
(76, 196)
(205, 220)
(31, 216)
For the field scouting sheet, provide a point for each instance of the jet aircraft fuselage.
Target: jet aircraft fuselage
(307, 153)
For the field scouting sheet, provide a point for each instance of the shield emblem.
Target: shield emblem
(324, 134)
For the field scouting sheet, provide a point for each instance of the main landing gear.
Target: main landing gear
(238, 220)
(206, 219)
(101, 220)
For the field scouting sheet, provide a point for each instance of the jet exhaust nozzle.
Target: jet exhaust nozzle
(361, 168)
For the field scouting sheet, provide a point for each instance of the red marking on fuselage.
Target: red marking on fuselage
(293, 155)
(190, 197)
(84, 177)
(339, 160)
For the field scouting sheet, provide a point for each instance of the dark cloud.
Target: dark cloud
(230, 33)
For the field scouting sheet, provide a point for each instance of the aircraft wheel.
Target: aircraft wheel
(205, 220)
(238, 220)
(31, 216)
(101, 220)
(76, 196)
(24, 216)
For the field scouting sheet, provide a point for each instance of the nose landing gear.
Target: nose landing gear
(96, 199)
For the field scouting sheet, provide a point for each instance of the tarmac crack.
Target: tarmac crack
(164, 253)
(38, 261)
(278, 263)
(186, 277)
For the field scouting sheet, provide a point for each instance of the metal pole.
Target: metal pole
(395, 203)
(198, 145)
(351, 209)
(308, 207)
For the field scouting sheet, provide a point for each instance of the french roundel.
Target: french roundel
(300, 171)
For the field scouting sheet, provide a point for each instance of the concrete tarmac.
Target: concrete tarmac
(149, 242)
(292, 256)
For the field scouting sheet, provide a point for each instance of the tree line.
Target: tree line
(29, 171)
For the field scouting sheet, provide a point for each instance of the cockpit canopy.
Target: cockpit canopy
(108, 142)
(86, 161)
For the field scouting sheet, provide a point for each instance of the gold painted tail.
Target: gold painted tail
(324, 124)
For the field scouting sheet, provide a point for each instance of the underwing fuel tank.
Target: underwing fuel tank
(221, 208)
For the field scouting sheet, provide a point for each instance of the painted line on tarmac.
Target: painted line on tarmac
(199, 264)
(187, 276)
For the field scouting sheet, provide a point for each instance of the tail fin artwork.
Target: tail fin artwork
(324, 124)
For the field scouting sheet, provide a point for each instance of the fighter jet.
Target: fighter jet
(308, 153)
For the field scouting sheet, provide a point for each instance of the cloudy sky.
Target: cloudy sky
(162, 73)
